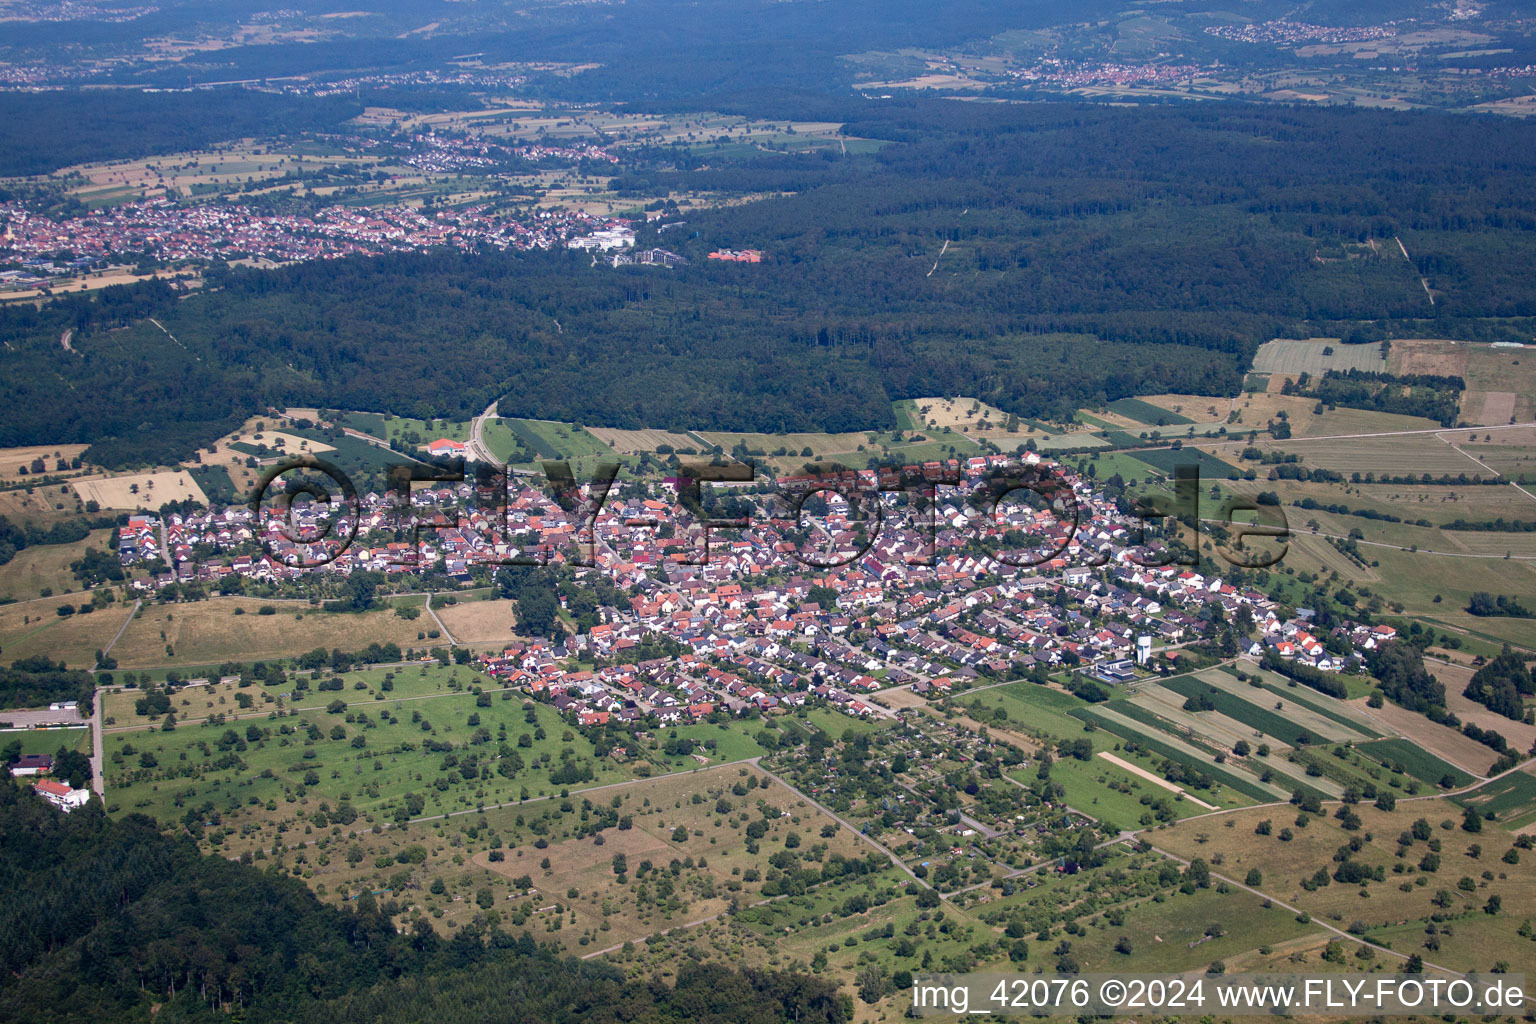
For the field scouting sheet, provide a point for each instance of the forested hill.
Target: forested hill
(42, 132)
(1093, 253)
(109, 921)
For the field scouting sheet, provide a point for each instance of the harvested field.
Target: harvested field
(1455, 679)
(140, 490)
(1292, 357)
(1498, 407)
(209, 632)
(633, 442)
(1432, 356)
(474, 622)
(1442, 741)
(1200, 408)
(1501, 382)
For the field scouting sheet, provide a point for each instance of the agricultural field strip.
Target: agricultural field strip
(1225, 732)
(1140, 772)
(1143, 731)
(1251, 714)
(1416, 761)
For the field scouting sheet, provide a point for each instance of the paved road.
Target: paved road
(98, 753)
(479, 451)
(98, 729)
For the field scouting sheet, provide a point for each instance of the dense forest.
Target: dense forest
(109, 921)
(1502, 684)
(1094, 253)
(38, 681)
(42, 132)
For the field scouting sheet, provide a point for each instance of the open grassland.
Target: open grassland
(1174, 934)
(233, 629)
(41, 506)
(712, 818)
(1510, 451)
(1407, 456)
(1257, 411)
(1145, 412)
(250, 767)
(14, 460)
(1415, 579)
(35, 628)
(48, 741)
(280, 443)
(46, 567)
(1291, 357)
(139, 490)
(1436, 503)
(786, 452)
(1410, 894)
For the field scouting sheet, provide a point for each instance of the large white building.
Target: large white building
(61, 796)
(604, 239)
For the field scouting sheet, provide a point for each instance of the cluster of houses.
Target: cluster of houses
(60, 794)
(912, 608)
(171, 230)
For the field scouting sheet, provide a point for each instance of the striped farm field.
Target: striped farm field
(1295, 356)
(1146, 412)
(633, 442)
(1291, 723)
(1318, 703)
(1415, 760)
(1512, 799)
(1154, 740)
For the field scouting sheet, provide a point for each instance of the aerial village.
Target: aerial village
(760, 626)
